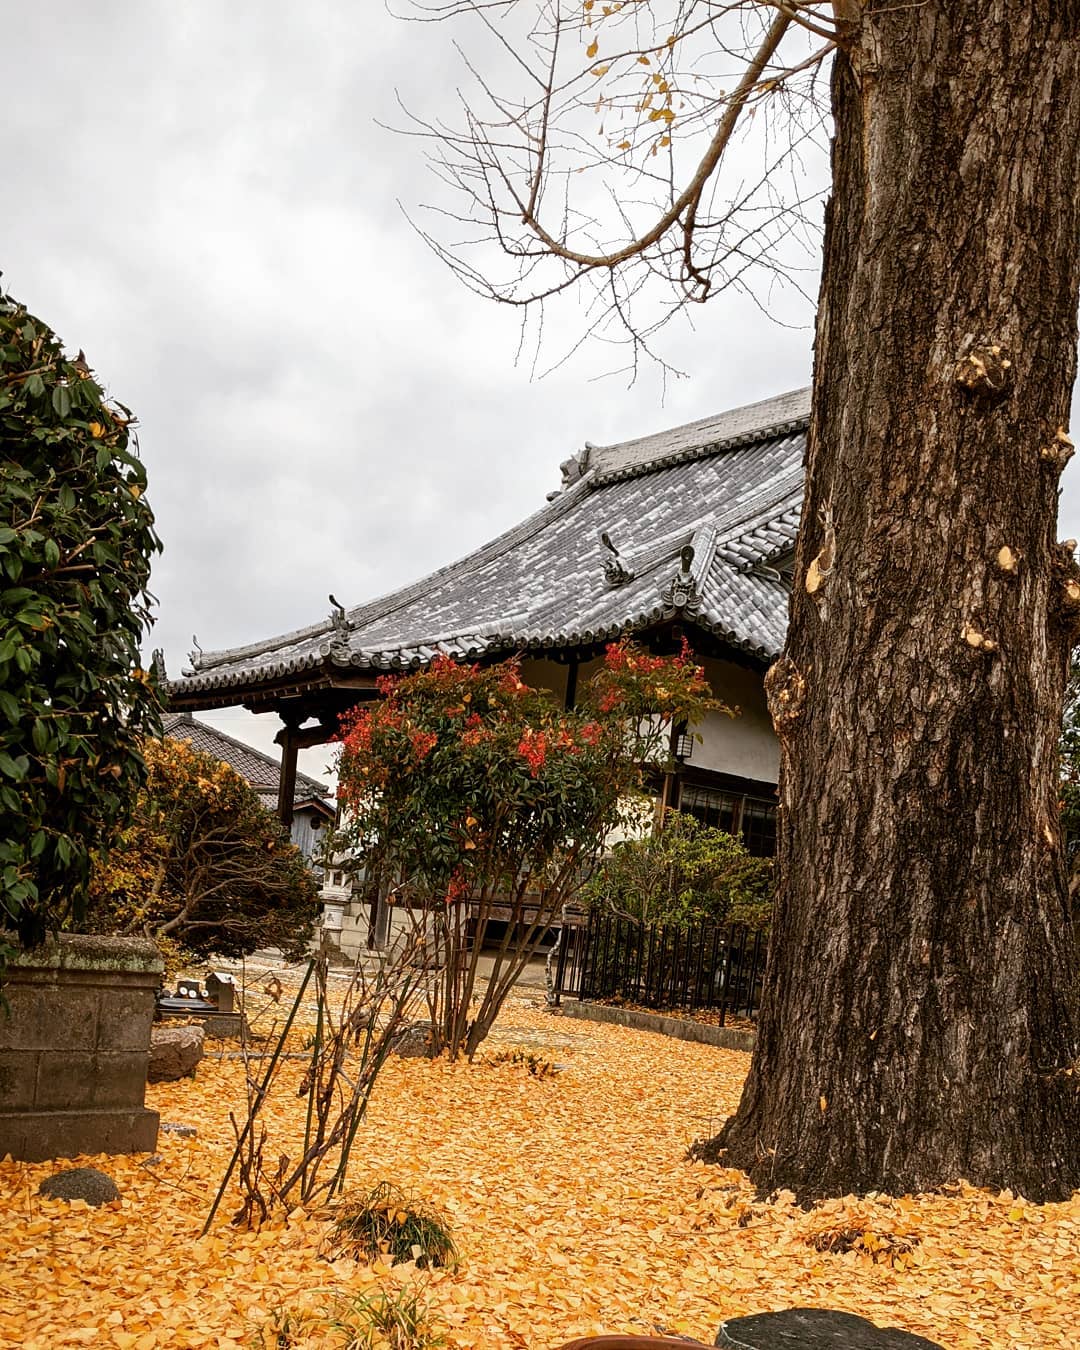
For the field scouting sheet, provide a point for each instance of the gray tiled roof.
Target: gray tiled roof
(731, 486)
(261, 772)
(783, 412)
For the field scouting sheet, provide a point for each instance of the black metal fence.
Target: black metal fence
(604, 956)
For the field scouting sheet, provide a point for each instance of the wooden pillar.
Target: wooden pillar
(288, 741)
(571, 684)
(671, 788)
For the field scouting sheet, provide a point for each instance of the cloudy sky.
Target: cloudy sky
(201, 197)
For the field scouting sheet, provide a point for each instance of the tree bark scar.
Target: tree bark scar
(1008, 560)
(785, 692)
(977, 640)
(821, 565)
(985, 373)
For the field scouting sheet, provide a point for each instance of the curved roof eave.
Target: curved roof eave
(741, 509)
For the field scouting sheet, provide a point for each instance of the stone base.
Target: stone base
(35, 1136)
(74, 1049)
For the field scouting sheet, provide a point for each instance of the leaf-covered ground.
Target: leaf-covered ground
(571, 1201)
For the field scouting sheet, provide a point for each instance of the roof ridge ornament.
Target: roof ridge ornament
(616, 573)
(681, 593)
(574, 468)
(196, 653)
(339, 643)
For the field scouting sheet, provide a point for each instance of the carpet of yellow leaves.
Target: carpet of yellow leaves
(571, 1201)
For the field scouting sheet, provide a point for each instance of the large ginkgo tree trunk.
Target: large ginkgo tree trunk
(921, 1020)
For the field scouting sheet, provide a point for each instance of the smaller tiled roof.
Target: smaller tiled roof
(259, 771)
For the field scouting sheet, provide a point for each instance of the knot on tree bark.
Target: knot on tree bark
(986, 373)
(1060, 450)
(785, 692)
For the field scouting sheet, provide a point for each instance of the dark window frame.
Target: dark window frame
(734, 806)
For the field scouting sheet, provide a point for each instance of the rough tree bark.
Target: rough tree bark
(921, 1023)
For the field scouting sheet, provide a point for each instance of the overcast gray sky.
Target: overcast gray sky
(200, 197)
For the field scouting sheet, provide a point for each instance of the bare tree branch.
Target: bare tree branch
(523, 177)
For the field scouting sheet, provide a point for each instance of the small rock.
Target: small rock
(815, 1329)
(414, 1041)
(80, 1183)
(174, 1052)
(181, 1131)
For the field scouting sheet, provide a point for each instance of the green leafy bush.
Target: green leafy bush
(388, 1221)
(687, 873)
(478, 796)
(76, 537)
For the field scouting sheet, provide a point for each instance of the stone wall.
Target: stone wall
(74, 1047)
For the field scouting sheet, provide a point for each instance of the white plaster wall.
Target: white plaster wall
(745, 744)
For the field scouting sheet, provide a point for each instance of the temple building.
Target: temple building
(688, 531)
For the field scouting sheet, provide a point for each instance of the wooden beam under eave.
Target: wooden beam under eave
(306, 737)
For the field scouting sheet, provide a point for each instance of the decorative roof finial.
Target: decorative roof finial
(340, 641)
(616, 573)
(574, 468)
(681, 593)
(195, 655)
(157, 668)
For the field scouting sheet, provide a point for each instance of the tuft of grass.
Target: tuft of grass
(388, 1221)
(385, 1320)
(382, 1320)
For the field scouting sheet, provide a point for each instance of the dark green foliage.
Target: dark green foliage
(688, 873)
(76, 537)
(388, 1221)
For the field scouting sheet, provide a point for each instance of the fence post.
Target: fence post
(560, 962)
(586, 947)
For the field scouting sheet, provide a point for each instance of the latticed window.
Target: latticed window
(759, 827)
(752, 818)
